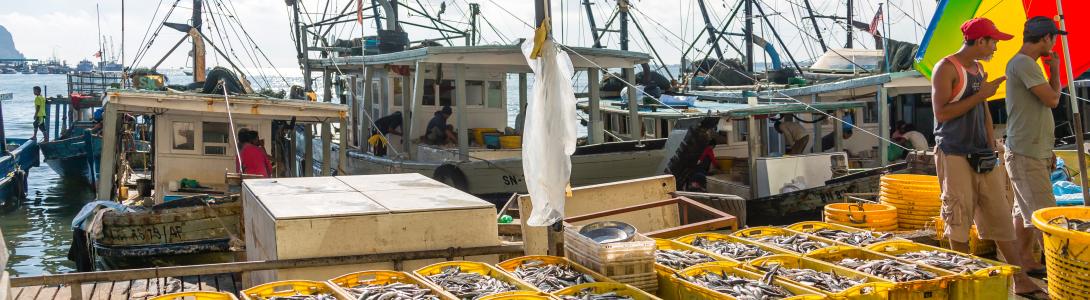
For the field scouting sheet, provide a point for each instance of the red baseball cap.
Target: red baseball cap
(977, 28)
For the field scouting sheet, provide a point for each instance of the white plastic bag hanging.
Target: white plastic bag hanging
(548, 139)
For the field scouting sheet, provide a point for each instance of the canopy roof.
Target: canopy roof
(489, 55)
(159, 102)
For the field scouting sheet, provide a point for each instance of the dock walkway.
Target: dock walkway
(138, 289)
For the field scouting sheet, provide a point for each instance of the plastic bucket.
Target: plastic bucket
(1067, 252)
(511, 142)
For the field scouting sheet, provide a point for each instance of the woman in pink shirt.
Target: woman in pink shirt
(253, 157)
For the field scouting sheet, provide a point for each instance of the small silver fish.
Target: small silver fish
(681, 259)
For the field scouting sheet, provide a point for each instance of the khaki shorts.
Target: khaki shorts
(1030, 178)
(970, 198)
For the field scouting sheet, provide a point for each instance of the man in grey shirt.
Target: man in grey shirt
(1030, 136)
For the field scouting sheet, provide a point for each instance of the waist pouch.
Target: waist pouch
(983, 162)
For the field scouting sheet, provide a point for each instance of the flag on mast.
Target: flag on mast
(874, 22)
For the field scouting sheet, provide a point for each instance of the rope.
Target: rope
(231, 123)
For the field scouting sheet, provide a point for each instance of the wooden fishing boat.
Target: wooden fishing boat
(19, 156)
(73, 149)
(185, 210)
(478, 96)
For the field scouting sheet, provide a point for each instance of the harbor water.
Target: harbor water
(37, 229)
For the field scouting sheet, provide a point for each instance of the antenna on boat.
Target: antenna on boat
(101, 54)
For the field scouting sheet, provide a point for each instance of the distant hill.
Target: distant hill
(7, 45)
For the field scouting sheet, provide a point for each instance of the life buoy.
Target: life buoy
(452, 176)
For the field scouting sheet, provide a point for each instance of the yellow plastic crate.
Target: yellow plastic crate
(873, 289)
(909, 179)
(919, 289)
(667, 287)
(478, 134)
(346, 281)
(518, 295)
(808, 227)
(473, 267)
(511, 142)
(989, 283)
(693, 291)
(291, 287)
(607, 287)
(510, 265)
(860, 214)
(688, 240)
(754, 233)
(196, 296)
(1067, 252)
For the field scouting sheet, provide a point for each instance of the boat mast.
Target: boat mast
(198, 43)
(101, 54)
(622, 6)
(749, 36)
(848, 44)
(593, 26)
(817, 31)
(711, 29)
(474, 11)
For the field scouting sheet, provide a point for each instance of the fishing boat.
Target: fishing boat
(187, 208)
(74, 150)
(19, 156)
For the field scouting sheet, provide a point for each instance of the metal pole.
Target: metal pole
(776, 34)
(622, 6)
(1076, 115)
(711, 29)
(633, 106)
(593, 26)
(816, 29)
(594, 134)
(749, 36)
(848, 44)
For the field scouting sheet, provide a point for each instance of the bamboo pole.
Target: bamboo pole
(1076, 115)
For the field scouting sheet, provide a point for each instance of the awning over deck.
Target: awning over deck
(791, 108)
(847, 86)
(490, 55)
(182, 102)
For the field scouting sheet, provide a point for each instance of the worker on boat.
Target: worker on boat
(1030, 136)
(439, 133)
(793, 134)
(913, 139)
(254, 160)
(97, 116)
(827, 141)
(384, 127)
(39, 114)
(965, 153)
(704, 163)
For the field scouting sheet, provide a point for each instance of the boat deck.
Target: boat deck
(135, 289)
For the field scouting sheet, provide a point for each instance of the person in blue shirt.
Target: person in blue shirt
(439, 133)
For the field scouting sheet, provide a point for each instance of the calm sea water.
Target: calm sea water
(37, 229)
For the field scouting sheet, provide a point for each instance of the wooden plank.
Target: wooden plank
(102, 290)
(120, 290)
(47, 292)
(28, 293)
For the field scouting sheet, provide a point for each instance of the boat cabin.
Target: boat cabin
(194, 137)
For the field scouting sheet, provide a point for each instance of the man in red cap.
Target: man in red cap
(965, 153)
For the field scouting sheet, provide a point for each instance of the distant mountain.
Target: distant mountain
(7, 45)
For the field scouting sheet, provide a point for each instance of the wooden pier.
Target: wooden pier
(133, 289)
(225, 277)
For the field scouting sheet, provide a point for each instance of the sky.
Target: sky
(68, 29)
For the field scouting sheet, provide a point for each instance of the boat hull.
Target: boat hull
(75, 155)
(501, 177)
(169, 236)
(15, 167)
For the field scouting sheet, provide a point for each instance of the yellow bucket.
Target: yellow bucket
(861, 215)
(1067, 252)
(478, 134)
(511, 142)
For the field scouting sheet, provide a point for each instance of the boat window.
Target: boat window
(398, 93)
(741, 130)
(216, 136)
(445, 90)
(183, 136)
(495, 94)
(475, 93)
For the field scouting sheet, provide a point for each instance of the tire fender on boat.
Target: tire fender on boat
(451, 175)
(20, 179)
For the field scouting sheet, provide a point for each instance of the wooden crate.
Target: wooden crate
(355, 215)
